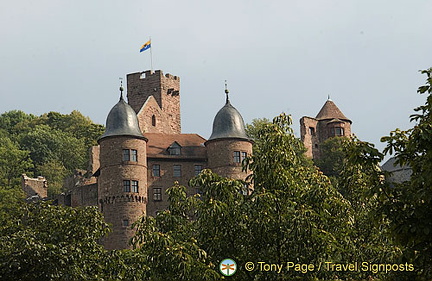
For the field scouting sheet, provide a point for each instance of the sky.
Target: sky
(276, 55)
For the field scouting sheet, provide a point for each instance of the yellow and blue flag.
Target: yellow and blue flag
(146, 46)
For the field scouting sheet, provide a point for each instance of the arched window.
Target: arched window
(153, 120)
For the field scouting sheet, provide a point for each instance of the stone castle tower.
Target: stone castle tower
(228, 144)
(156, 100)
(143, 152)
(122, 181)
(329, 122)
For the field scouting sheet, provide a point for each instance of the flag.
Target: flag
(146, 46)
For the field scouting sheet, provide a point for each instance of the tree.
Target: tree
(55, 172)
(13, 163)
(76, 124)
(408, 205)
(293, 214)
(46, 242)
(332, 156)
(46, 144)
(15, 121)
(170, 244)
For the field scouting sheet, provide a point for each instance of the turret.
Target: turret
(329, 122)
(122, 183)
(228, 144)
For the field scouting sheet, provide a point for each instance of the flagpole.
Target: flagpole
(151, 56)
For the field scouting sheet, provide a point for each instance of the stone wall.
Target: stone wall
(166, 91)
(167, 179)
(94, 159)
(117, 205)
(309, 136)
(220, 153)
(34, 186)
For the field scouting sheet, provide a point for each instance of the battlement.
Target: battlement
(151, 74)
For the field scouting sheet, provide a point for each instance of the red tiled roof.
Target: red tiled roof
(192, 145)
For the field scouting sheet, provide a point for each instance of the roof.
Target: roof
(331, 111)
(192, 146)
(122, 121)
(228, 123)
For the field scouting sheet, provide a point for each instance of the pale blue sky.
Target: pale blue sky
(276, 55)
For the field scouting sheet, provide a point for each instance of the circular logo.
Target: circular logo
(228, 267)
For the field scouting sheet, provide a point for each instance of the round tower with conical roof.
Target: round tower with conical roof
(122, 183)
(228, 144)
(329, 122)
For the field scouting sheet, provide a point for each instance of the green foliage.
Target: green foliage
(13, 162)
(408, 205)
(46, 242)
(15, 121)
(331, 157)
(360, 181)
(54, 172)
(52, 145)
(293, 214)
(168, 242)
(46, 144)
(76, 124)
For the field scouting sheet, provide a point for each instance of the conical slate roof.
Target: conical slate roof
(228, 123)
(122, 121)
(331, 111)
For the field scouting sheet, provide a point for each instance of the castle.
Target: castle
(143, 152)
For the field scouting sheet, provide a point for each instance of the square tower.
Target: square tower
(156, 100)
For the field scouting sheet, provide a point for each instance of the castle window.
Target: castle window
(236, 156)
(153, 121)
(134, 155)
(243, 155)
(130, 155)
(156, 170)
(125, 223)
(174, 149)
(135, 186)
(337, 131)
(126, 155)
(198, 169)
(157, 194)
(177, 171)
(312, 131)
(126, 186)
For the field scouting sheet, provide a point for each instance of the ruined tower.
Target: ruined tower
(228, 144)
(329, 122)
(122, 182)
(155, 98)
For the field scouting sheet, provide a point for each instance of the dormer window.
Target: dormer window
(174, 149)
